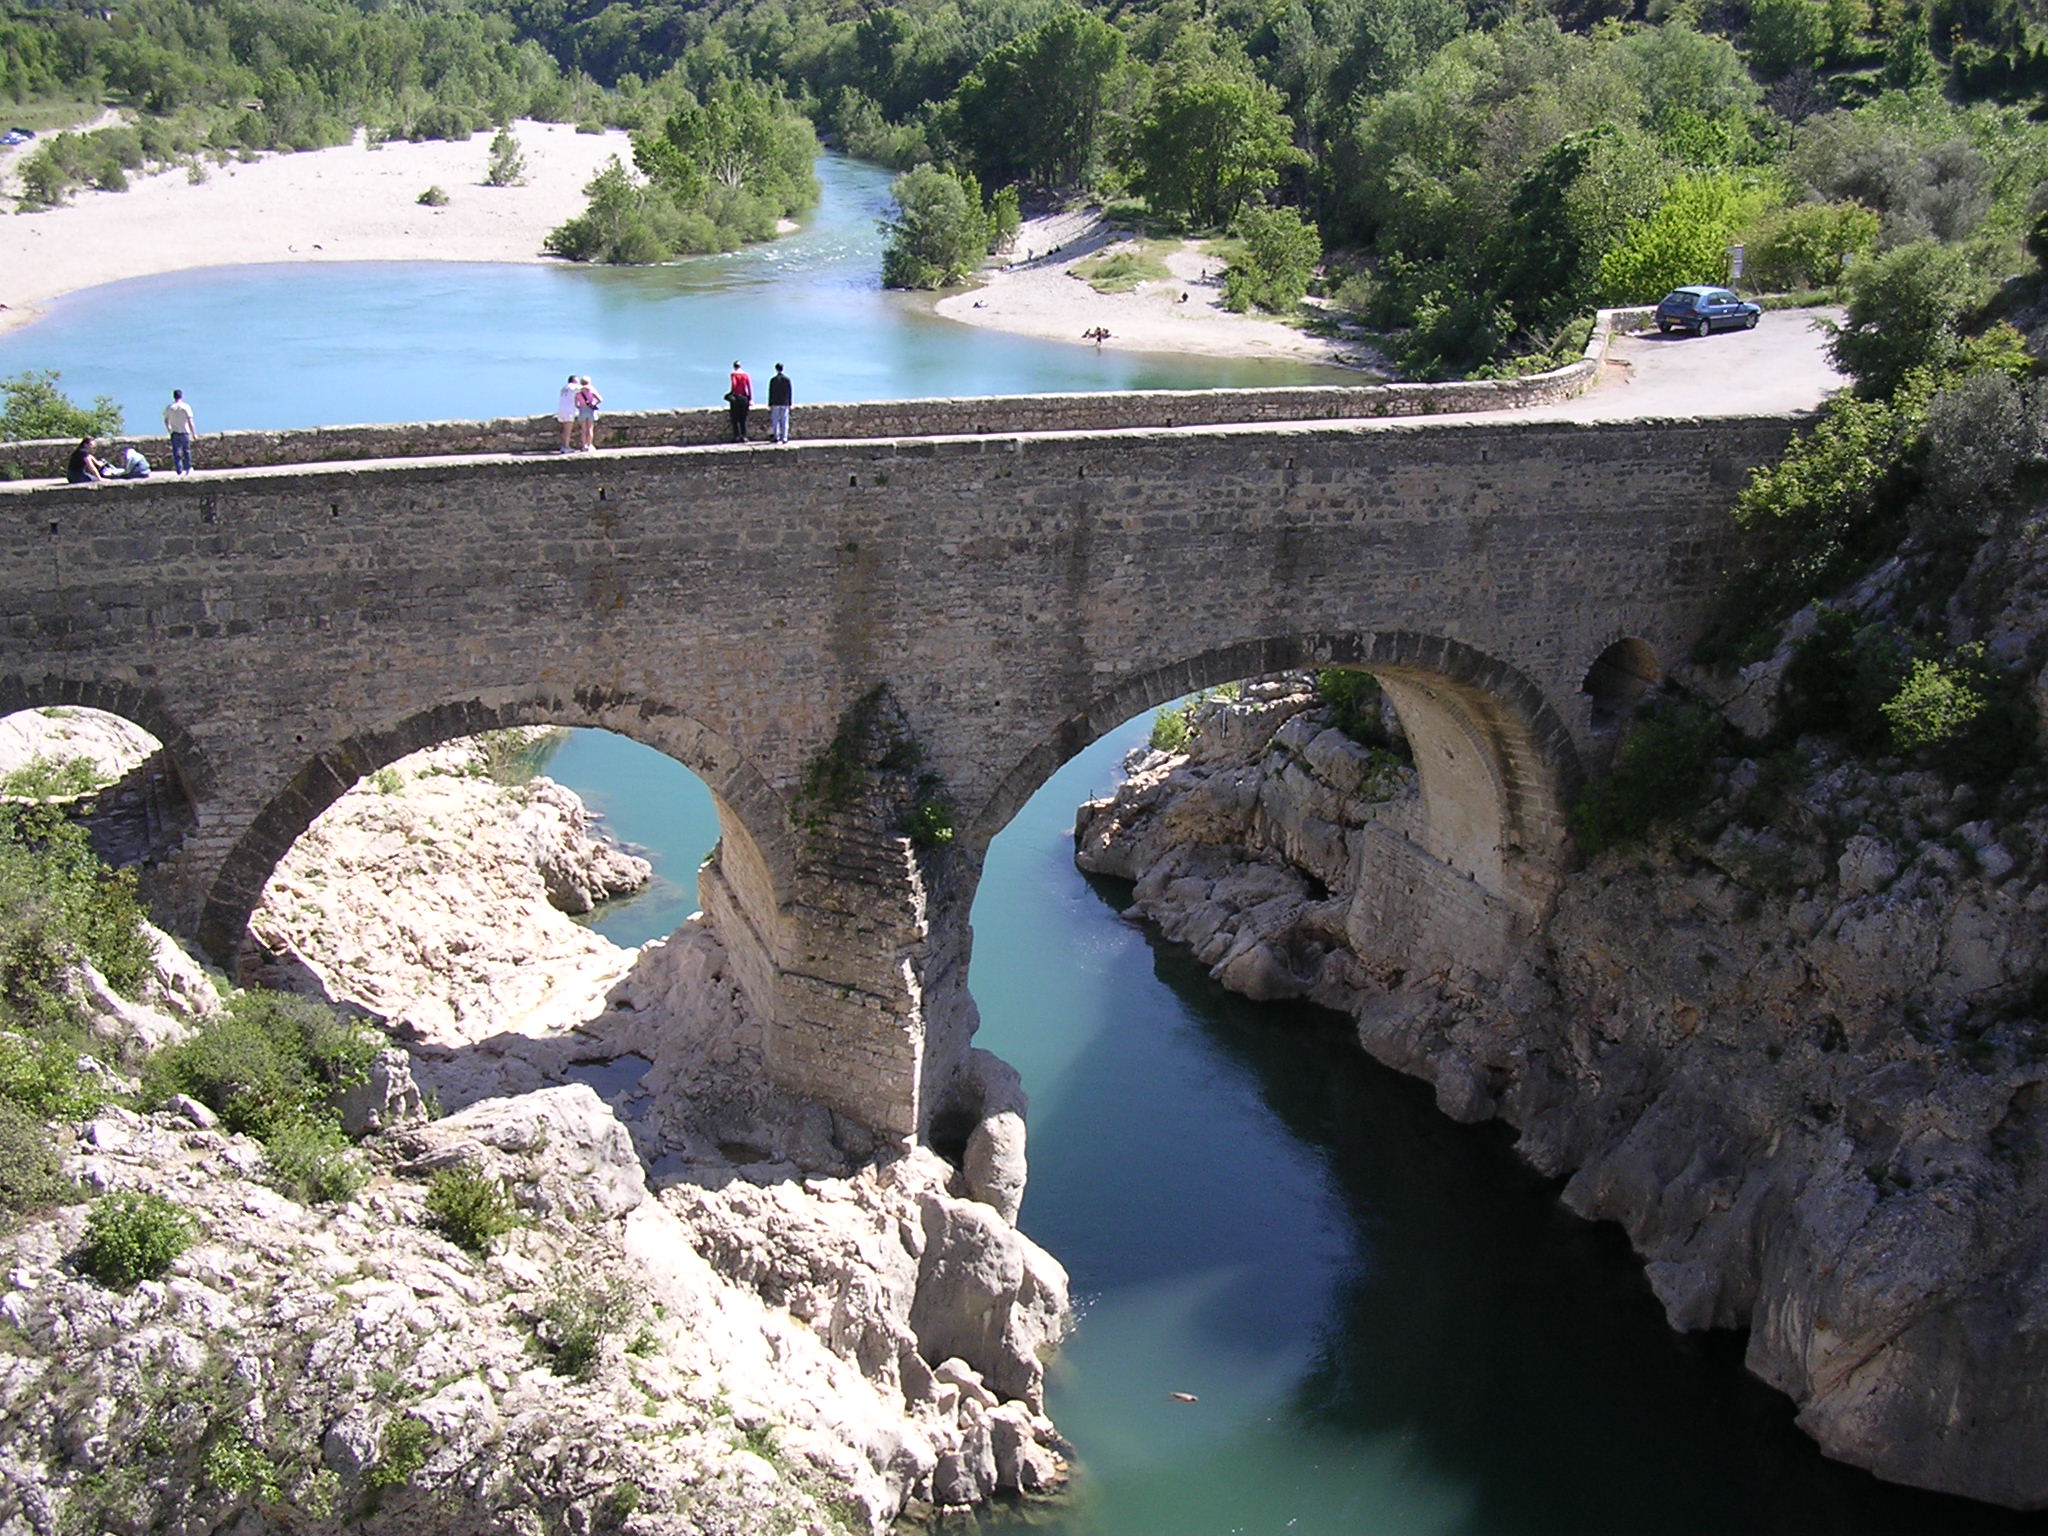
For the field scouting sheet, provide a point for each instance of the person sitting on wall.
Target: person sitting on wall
(84, 469)
(128, 464)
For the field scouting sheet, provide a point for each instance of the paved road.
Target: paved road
(1782, 365)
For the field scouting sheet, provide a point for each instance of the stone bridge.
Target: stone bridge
(854, 641)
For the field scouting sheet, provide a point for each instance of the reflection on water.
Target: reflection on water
(1390, 1325)
(305, 345)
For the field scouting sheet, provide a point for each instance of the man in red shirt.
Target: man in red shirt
(740, 396)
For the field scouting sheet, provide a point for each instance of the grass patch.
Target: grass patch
(31, 1170)
(1123, 269)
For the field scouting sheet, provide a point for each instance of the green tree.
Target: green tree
(1281, 250)
(938, 233)
(1033, 111)
(1685, 241)
(36, 407)
(1786, 36)
(1809, 245)
(1210, 142)
(1905, 311)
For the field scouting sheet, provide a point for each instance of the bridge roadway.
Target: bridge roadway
(835, 634)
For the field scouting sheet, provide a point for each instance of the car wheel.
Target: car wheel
(1703, 327)
(1749, 322)
(1663, 329)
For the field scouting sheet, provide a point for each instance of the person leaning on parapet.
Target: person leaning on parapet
(739, 399)
(565, 413)
(84, 469)
(780, 397)
(179, 424)
(587, 402)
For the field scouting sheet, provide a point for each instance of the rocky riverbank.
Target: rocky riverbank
(1796, 1045)
(775, 1330)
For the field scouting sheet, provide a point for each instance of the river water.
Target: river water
(1391, 1327)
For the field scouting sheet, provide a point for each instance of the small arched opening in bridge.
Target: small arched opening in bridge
(108, 757)
(1617, 680)
(754, 856)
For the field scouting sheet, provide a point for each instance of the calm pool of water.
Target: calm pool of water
(302, 345)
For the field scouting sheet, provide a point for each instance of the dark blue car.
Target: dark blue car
(1702, 309)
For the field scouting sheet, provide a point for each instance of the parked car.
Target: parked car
(1701, 309)
(17, 136)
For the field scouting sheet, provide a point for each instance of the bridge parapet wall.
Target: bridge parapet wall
(972, 417)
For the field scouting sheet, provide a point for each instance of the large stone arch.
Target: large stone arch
(756, 856)
(1462, 885)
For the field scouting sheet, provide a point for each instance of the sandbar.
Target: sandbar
(356, 202)
(1034, 291)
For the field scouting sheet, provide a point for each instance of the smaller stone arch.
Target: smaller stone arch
(1617, 680)
(131, 701)
(751, 813)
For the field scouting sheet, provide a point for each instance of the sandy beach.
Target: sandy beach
(353, 203)
(1036, 292)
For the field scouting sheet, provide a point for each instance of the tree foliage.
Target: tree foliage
(938, 233)
(36, 407)
(1904, 314)
(1034, 110)
(1210, 141)
(1280, 253)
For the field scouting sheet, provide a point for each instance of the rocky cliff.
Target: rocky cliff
(1795, 1045)
(772, 1330)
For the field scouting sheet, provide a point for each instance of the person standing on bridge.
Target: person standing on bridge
(739, 398)
(179, 424)
(780, 397)
(587, 402)
(565, 414)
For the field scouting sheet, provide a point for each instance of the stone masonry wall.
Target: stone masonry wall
(286, 631)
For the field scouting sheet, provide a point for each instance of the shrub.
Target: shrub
(1663, 774)
(58, 905)
(582, 1312)
(311, 1160)
(269, 1062)
(31, 1171)
(1353, 700)
(1172, 728)
(507, 167)
(52, 778)
(236, 1466)
(35, 408)
(433, 197)
(387, 781)
(131, 1237)
(401, 1452)
(939, 232)
(1281, 250)
(1905, 311)
(470, 1208)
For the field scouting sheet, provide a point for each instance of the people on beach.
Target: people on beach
(128, 464)
(739, 399)
(565, 413)
(1099, 334)
(780, 397)
(587, 402)
(84, 468)
(179, 424)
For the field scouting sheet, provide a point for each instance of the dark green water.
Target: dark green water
(1390, 1323)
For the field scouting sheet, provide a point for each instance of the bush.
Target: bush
(507, 167)
(311, 1160)
(1905, 311)
(433, 197)
(1281, 250)
(36, 408)
(31, 1171)
(470, 1208)
(1353, 700)
(131, 1237)
(1663, 775)
(1805, 246)
(269, 1063)
(58, 905)
(52, 778)
(578, 1317)
(939, 232)
(401, 1452)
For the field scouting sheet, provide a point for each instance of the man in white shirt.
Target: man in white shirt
(178, 422)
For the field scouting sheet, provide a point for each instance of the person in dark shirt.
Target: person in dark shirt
(84, 469)
(779, 399)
